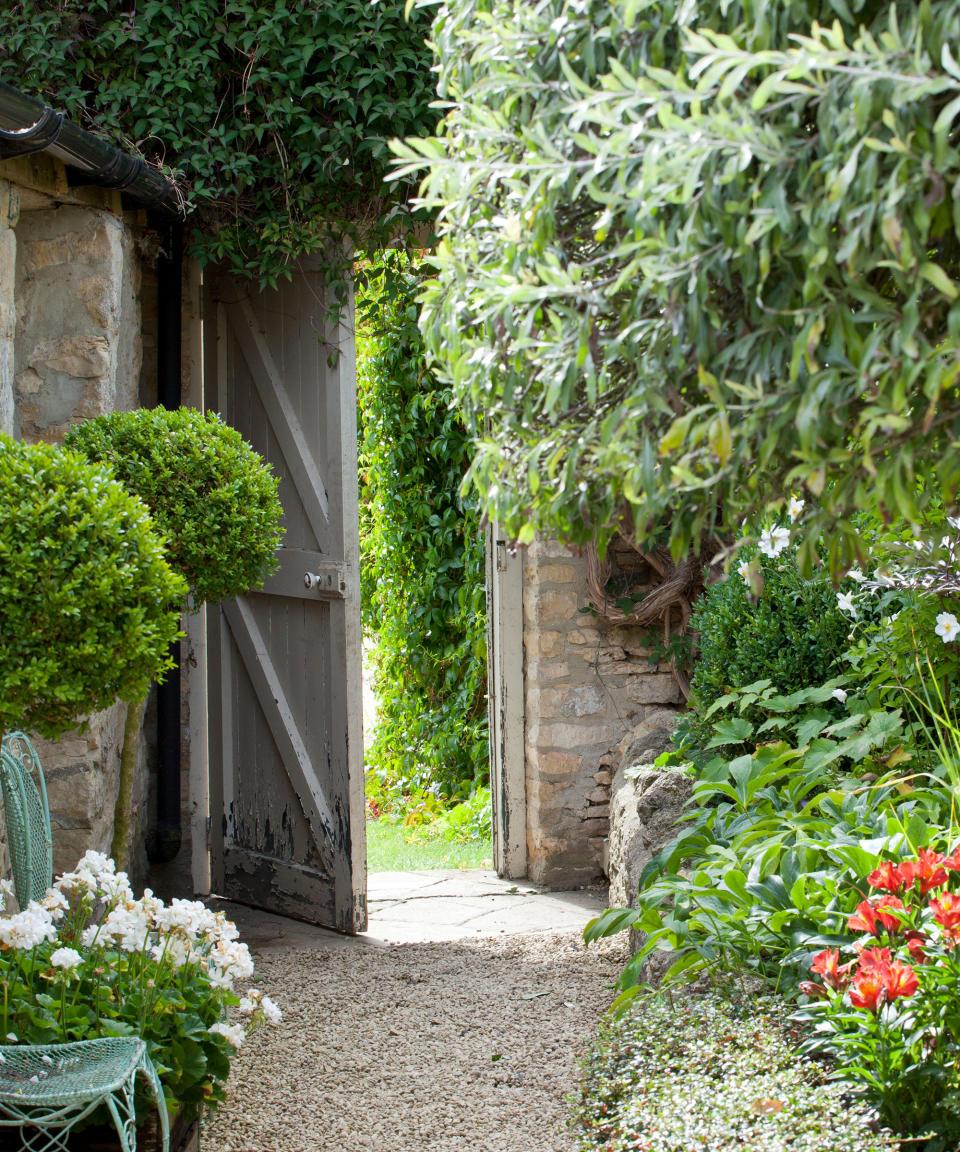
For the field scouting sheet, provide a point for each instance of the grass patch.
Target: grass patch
(393, 848)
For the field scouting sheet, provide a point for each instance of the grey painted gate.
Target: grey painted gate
(286, 774)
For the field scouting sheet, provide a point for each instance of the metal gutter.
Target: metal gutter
(28, 125)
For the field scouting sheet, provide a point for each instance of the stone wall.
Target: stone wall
(70, 282)
(588, 684)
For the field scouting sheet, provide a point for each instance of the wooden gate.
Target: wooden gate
(286, 773)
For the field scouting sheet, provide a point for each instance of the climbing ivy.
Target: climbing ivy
(275, 115)
(421, 551)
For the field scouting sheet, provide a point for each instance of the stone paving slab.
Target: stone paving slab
(426, 906)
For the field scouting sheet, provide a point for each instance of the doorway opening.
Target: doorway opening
(423, 592)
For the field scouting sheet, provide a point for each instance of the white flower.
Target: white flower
(28, 928)
(845, 603)
(774, 540)
(55, 903)
(66, 958)
(233, 1032)
(947, 627)
(127, 926)
(744, 569)
(271, 1011)
(839, 694)
(795, 507)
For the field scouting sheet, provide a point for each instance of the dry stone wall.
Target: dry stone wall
(589, 683)
(70, 349)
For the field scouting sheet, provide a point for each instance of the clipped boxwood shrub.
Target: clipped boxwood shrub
(211, 495)
(88, 603)
(700, 1072)
(791, 634)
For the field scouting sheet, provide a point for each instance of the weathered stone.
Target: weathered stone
(554, 671)
(604, 776)
(643, 816)
(586, 735)
(544, 549)
(610, 655)
(548, 645)
(556, 604)
(553, 765)
(571, 700)
(553, 573)
(655, 688)
(598, 811)
(651, 736)
(584, 636)
(598, 796)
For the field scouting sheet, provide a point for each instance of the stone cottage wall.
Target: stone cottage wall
(70, 349)
(589, 685)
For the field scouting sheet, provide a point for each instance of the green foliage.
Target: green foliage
(887, 1007)
(791, 633)
(275, 114)
(706, 1072)
(87, 599)
(698, 256)
(422, 559)
(210, 494)
(394, 848)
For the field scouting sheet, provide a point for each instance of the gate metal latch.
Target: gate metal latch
(328, 580)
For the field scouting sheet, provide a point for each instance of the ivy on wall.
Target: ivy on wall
(276, 115)
(422, 558)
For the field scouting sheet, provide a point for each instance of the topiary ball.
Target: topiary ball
(210, 494)
(88, 603)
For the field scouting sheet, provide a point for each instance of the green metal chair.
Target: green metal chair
(27, 817)
(46, 1089)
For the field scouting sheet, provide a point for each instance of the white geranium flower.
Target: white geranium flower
(233, 1032)
(28, 928)
(744, 569)
(795, 507)
(773, 541)
(66, 958)
(845, 603)
(270, 1010)
(948, 629)
(839, 694)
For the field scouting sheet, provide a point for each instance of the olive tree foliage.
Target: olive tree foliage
(696, 257)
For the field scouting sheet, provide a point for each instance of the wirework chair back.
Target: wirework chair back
(27, 816)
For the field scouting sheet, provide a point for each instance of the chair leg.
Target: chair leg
(39, 1139)
(147, 1068)
(126, 1125)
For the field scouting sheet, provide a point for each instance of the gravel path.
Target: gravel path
(467, 1046)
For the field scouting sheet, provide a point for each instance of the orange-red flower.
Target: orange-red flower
(931, 872)
(888, 877)
(946, 909)
(827, 964)
(880, 980)
(871, 916)
(915, 942)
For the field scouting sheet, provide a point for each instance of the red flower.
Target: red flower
(880, 980)
(915, 943)
(952, 863)
(946, 909)
(871, 913)
(827, 964)
(887, 878)
(868, 989)
(815, 991)
(930, 869)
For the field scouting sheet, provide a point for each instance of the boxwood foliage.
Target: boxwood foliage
(696, 256)
(276, 115)
(88, 603)
(792, 633)
(424, 599)
(211, 495)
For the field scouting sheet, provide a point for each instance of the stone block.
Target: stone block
(655, 688)
(649, 737)
(598, 796)
(544, 549)
(584, 636)
(643, 817)
(603, 777)
(553, 605)
(586, 735)
(541, 573)
(571, 700)
(548, 645)
(598, 811)
(551, 671)
(553, 765)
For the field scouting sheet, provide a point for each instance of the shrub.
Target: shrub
(422, 556)
(88, 602)
(210, 494)
(790, 634)
(696, 1072)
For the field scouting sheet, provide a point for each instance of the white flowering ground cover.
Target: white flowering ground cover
(699, 1073)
